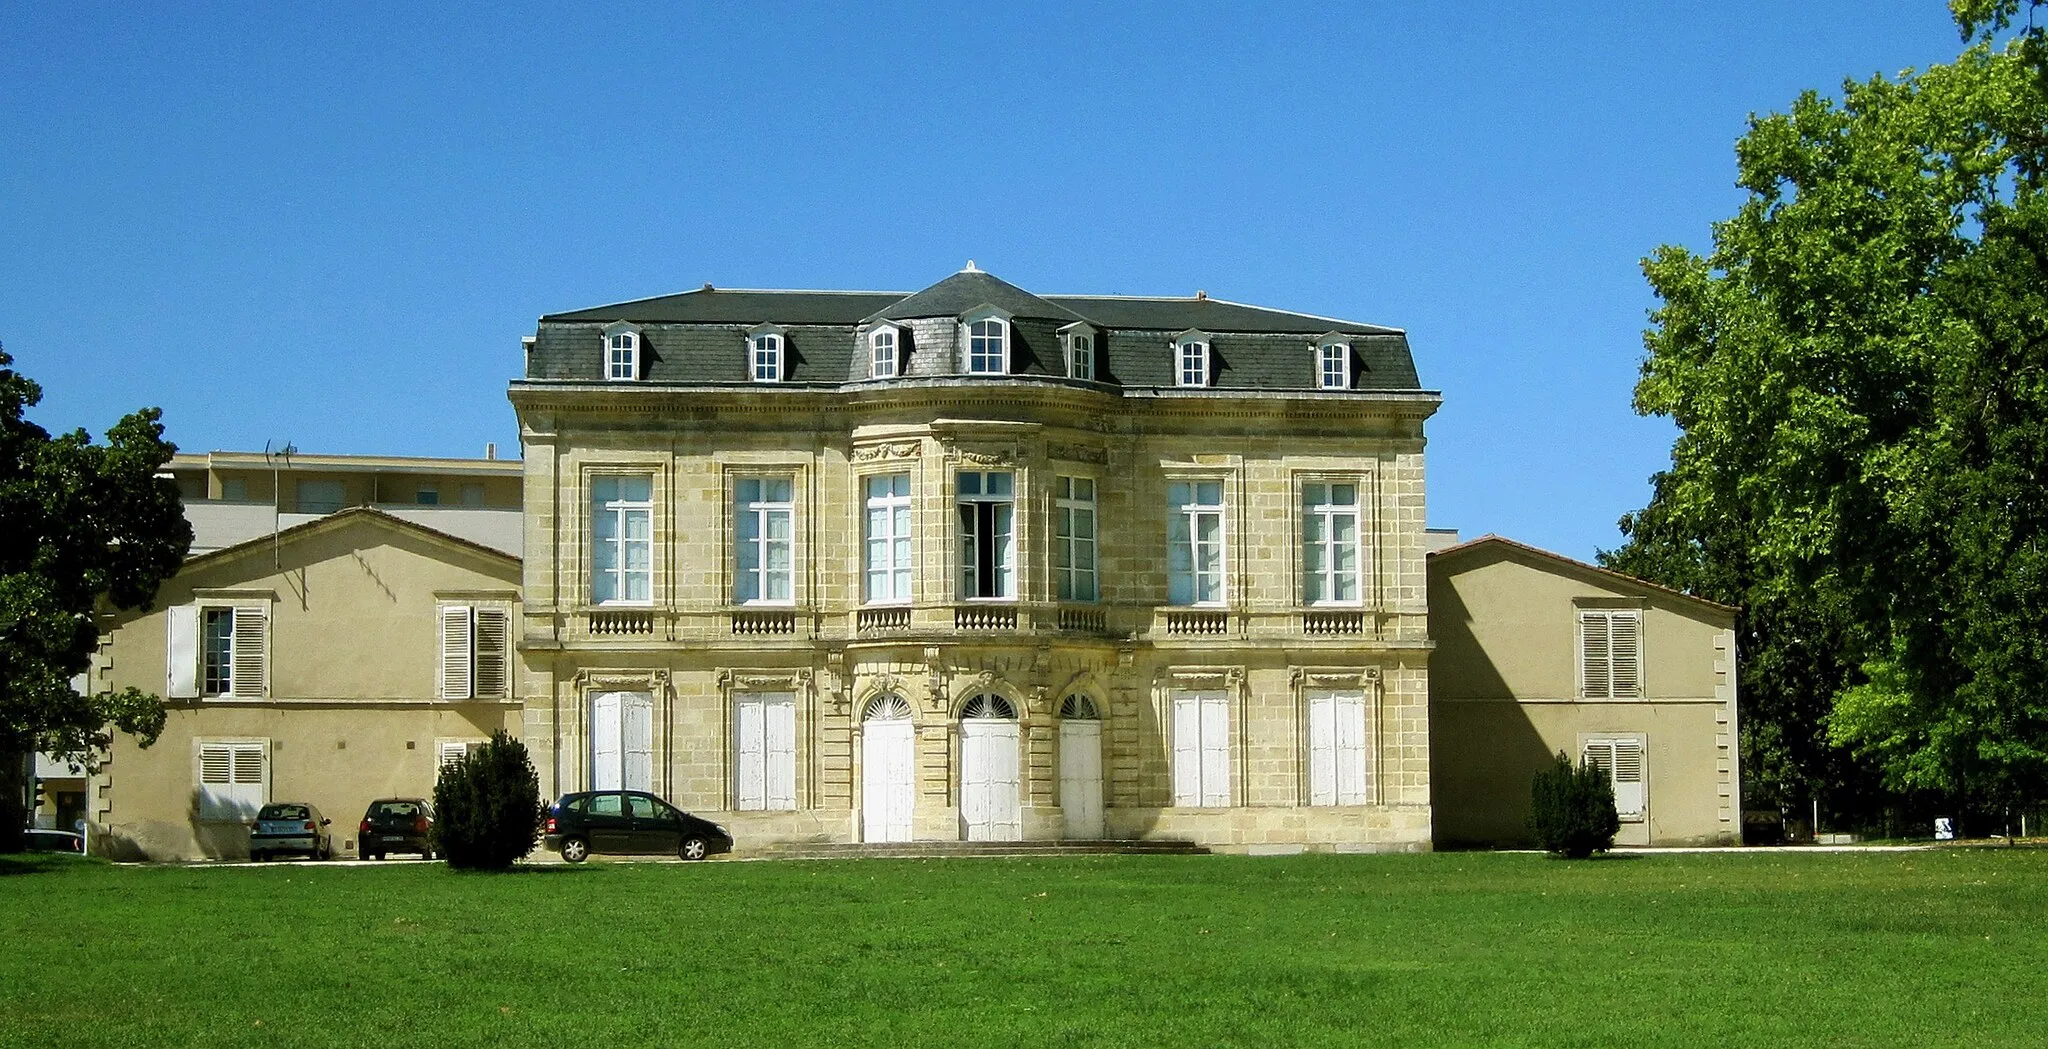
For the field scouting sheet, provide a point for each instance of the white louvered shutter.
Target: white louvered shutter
(1624, 648)
(1593, 661)
(456, 624)
(605, 741)
(251, 678)
(1348, 715)
(781, 764)
(1215, 751)
(216, 781)
(638, 718)
(451, 752)
(493, 634)
(750, 734)
(249, 779)
(1187, 751)
(1322, 750)
(181, 651)
(1628, 779)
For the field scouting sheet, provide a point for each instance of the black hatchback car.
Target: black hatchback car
(630, 822)
(396, 825)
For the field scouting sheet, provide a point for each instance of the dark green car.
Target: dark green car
(629, 822)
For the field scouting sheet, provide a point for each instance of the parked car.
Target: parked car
(628, 822)
(289, 826)
(396, 825)
(38, 840)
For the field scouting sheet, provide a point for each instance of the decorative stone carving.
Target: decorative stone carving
(1335, 677)
(890, 450)
(732, 680)
(1077, 453)
(623, 680)
(1206, 678)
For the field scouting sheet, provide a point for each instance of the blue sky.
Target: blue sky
(331, 226)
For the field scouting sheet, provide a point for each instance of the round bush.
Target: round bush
(1571, 809)
(487, 806)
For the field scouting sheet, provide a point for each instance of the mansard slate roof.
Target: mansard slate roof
(696, 337)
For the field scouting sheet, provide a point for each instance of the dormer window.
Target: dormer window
(1333, 363)
(884, 347)
(986, 332)
(1191, 359)
(621, 352)
(1079, 343)
(765, 361)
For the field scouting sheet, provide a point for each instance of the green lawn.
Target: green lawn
(1881, 949)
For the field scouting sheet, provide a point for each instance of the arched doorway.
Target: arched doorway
(1081, 766)
(888, 777)
(988, 770)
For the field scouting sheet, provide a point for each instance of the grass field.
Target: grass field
(1883, 949)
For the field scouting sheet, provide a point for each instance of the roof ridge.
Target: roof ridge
(1495, 537)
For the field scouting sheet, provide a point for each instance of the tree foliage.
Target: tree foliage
(1859, 373)
(487, 806)
(1571, 809)
(89, 527)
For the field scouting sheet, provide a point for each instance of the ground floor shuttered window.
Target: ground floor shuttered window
(1201, 749)
(622, 741)
(764, 745)
(1336, 749)
(233, 779)
(1622, 760)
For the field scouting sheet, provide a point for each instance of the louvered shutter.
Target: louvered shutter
(1187, 751)
(1322, 755)
(216, 781)
(1215, 751)
(249, 779)
(605, 749)
(456, 651)
(1628, 779)
(181, 651)
(638, 718)
(1348, 717)
(493, 648)
(1624, 647)
(781, 752)
(1594, 676)
(750, 753)
(251, 678)
(451, 751)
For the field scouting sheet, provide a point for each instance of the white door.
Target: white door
(988, 780)
(1081, 777)
(622, 741)
(887, 781)
(1336, 748)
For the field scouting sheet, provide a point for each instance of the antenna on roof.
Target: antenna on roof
(279, 458)
(970, 267)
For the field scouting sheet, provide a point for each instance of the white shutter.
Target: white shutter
(974, 786)
(249, 779)
(1322, 750)
(1594, 677)
(1624, 640)
(251, 675)
(216, 781)
(181, 651)
(750, 753)
(1628, 779)
(781, 759)
(493, 645)
(456, 625)
(449, 751)
(1349, 719)
(1215, 751)
(1187, 750)
(638, 721)
(605, 740)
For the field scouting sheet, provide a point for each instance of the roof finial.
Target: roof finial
(971, 267)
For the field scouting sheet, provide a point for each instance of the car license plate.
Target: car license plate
(394, 837)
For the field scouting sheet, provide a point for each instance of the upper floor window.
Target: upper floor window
(321, 497)
(1333, 364)
(764, 356)
(475, 648)
(763, 511)
(1073, 542)
(1079, 340)
(1610, 653)
(621, 352)
(988, 540)
(888, 539)
(882, 345)
(1194, 562)
(622, 539)
(1191, 356)
(217, 650)
(427, 495)
(988, 345)
(1329, 543)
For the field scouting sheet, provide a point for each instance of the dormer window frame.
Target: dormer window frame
(621, 347)
(1193, 359)
(973, 352)
(893, 334)
(1333, 362)
(767, 353)
(1077, 350)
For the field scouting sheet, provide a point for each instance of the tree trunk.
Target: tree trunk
(14, 788)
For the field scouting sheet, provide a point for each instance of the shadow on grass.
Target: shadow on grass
(37, 863)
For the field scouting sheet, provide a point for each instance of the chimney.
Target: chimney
(1200, 295)
(491, 450)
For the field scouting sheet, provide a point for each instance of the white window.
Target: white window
(622, 539)
(449, 751)
(764, 751)
(233, 778)
(1194, 556)
(883, 353)
(622, 741)
(621, 353)
(1191, 352)
(763, 511)
(216, 650)
(764, 356)
(1081, 355)
(988, 540)
(475, 652)
(1610, 653)
(1622, 760)
(321, 497)
(1201, 749)
(1336, 748)
(1073, 540)
(988, 347)
(1333, 364)
(1329, 543)
(888, 539)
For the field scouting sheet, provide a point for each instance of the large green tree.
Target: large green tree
(1859, 373)
(88, 528)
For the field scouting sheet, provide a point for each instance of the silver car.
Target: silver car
(290, 826)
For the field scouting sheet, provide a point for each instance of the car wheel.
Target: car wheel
(694, 849)
(378, 856)
(427, 855)
(256, 857)
(575, 850)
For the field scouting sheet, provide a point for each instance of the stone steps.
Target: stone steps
(904, 850)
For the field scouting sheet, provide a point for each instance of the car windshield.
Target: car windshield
(283, 812)
(396, 808)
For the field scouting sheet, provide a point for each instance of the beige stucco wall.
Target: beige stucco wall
(1504, 696)
(352, 711)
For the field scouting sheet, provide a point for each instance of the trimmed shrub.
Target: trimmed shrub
(1571, 809)
(487, 806)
